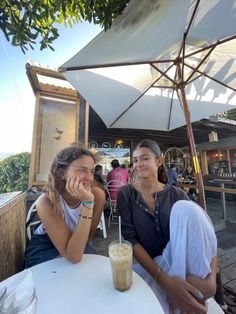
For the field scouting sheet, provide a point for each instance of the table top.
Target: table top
(86, 287)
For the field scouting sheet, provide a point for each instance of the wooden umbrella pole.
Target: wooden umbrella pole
(182, 97)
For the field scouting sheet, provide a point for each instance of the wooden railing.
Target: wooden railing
(12, 226)
(210, 188)
(220, 189)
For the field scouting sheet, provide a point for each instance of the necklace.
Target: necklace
(73, 206)
(150, 199)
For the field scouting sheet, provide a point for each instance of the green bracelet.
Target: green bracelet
(88, 203)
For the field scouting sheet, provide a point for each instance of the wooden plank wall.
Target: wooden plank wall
(12, 243)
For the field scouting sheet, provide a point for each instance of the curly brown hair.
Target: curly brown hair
(56, 182)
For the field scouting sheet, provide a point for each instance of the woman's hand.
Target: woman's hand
(76, 188)
(183, 295)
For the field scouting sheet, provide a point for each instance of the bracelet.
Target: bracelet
(85, 217)
(86, 203)
(157, 274)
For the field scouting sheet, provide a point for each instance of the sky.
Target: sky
(17, 100)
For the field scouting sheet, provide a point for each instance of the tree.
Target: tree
(14, 173)
(24, 21)
(230, 114)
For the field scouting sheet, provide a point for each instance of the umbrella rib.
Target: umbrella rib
(164, 73)
(211, 78)
(171, 104)
(201, 62)
(163, 86)
(194, 79)
(187, 30)
(192, 17)
(108, 65)
(133, 103)
(219, 42)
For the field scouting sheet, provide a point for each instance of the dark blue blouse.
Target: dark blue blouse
(140, 224)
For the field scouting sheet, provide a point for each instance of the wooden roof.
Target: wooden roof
(174, 138)
(49, 82)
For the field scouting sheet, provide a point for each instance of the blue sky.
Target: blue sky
(16, 97)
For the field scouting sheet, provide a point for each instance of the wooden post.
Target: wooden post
(36, 141)
(83, 121)
(204, 162)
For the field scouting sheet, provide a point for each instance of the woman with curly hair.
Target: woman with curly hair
(70, 208)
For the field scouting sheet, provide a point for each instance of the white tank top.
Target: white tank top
(71, 216)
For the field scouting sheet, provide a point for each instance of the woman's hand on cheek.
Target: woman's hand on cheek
(84, 194)
(76, 188)
(72, 186)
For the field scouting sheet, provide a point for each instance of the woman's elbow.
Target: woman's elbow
(73, 258)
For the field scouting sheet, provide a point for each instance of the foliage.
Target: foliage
(24, 21)
(231, 114)
(14, 173)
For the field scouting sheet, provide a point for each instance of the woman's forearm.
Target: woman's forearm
(207, 285)
(142, 256)
(77, 242)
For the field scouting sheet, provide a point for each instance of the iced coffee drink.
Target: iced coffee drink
(121, 258)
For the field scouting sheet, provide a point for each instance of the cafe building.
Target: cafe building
(62, 116)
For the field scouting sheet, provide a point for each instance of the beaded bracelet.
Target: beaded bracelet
(157, 274)
(85, 217)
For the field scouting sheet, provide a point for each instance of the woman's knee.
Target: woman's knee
(186, 209)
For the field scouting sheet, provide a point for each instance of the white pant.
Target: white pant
(190, 250)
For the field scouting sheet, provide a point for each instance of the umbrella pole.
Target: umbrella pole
(200, 186)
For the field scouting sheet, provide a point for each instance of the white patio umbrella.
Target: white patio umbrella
(162, 64)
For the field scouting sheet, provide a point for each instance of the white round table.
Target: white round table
(86, 288)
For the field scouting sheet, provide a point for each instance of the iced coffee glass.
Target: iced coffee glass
(121, 258)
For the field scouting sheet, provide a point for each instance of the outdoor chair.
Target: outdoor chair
(32, 220)
(102, 226)
(112, 189)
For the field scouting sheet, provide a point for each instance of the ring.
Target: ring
(199, 295)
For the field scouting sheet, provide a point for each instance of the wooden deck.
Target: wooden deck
(227, 255)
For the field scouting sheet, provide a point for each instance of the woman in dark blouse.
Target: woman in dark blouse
(173, 240)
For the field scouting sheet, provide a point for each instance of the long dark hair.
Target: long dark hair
(56, 182)
(155, 149)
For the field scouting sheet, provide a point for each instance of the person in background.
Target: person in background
(172, 175)
(174, 243)
(188, 175)
(98, 175)
(117, 172)
(131, 173)
(70, 209)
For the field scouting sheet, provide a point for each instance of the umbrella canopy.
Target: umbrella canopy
(161, 63)
(118, 67)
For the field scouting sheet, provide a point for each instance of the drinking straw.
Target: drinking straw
(120, 229)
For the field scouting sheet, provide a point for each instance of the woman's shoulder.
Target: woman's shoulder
(127, 188)
(43, 200)
(43, 204)
(177, 192)
(171, 189)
